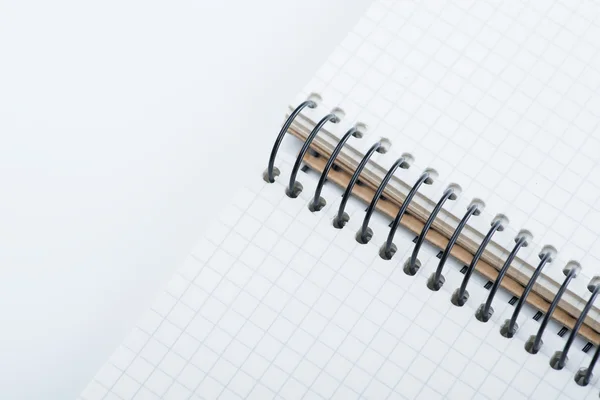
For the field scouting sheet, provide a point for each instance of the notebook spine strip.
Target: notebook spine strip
(411, 266)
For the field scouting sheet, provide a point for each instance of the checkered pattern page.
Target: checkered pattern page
(275, 303)
(501, 97)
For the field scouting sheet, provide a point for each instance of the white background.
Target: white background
(118, 120)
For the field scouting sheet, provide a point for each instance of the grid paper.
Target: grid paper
(276, 303)
(502, 97)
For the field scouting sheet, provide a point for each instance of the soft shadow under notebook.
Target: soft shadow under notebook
(420, 234)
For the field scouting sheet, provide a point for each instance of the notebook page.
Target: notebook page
(500, 97)
(276, 303)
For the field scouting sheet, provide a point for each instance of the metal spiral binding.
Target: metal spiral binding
(388, 249)
(342, 218)
(271, 172)
(295, 188)
(460, 296)
(317, 203)
(534, 343)
(485, 311)
(509, 328)
(412, 265)
(559, 359)
(436, 280)
(584, 375)
(365, 233)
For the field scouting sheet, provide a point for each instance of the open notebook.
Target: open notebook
(493, 106)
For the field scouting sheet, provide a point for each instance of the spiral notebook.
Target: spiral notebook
(427, 227)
